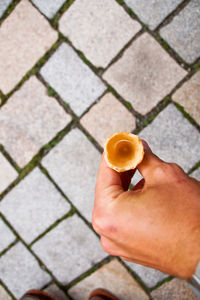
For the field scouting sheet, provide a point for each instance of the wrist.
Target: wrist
(191, 257)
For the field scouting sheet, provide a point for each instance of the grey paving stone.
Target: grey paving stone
(145, 74)
(27, 121)
(196, 174)
(182, 33)
(152, 12)
(174, 290)
(7, 173)
(3, 294)
(28, 37)
(3, 6)
(72, 79)
(54, 291)
(21, 272)
(98, 28)
(113, 277)
(73, 164)
(188, 95)
(7, 237)
(136, 178)
(33, 205)
(172, 137)
(148, 275)
(69, 249)
(49, 7)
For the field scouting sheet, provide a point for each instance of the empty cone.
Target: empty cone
(123, 151)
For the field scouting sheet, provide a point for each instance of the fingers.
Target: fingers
(126, 178)
(149, 163)
(108, 183)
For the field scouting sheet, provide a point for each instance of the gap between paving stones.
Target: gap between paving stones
(7, 290)
(174, 13)
(39, 261)
(9, 158)
(32, 71)
(89, 271)
(37, 158)
(136, 277)
(46, 173)
(43, 266)
(156, 34)
(10, 246)
(52, 226)
(9, 10)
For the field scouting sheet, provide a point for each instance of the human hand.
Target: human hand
(157, 223)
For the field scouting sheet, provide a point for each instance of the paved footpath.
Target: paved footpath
(71, 73)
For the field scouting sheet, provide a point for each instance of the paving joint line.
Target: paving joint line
(9, 158)
(60, 12)
(171, 15)
(52, 226)
(135, 276)
(37, 66)
(47, 174)
(38, 157)
(9, 10)
(90, 271)
(156, 35)
(194, 168)
(8, 247)
(39, 261)
(7, 290)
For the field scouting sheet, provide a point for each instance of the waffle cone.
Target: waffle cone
(123, 151)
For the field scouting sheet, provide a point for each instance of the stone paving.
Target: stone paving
(71, 73)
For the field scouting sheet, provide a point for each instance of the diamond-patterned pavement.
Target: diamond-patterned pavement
(100, 123)
(28, 36)
(98, 28)
(105, 72)
(67, 260)
(20, 271)
(48, 7)
(7, 236)
(35, 201)
(68, 165)
(7, 173)
(113, 277)
(188, 96)
(29, 120)
(72, 79)
(182, 33)
(152, 12)
(145, 74)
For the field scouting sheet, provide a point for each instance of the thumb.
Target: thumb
(149, 162)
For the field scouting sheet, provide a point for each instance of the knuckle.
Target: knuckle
(167, 170)
(103, 224)
(161, 170)
(97, 223)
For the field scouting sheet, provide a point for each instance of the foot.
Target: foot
(101, 294)
(36, 295)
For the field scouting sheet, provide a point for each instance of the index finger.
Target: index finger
(108, 185)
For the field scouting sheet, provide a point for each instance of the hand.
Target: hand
(157, 223)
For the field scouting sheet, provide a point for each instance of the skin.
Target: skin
(157, 223)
